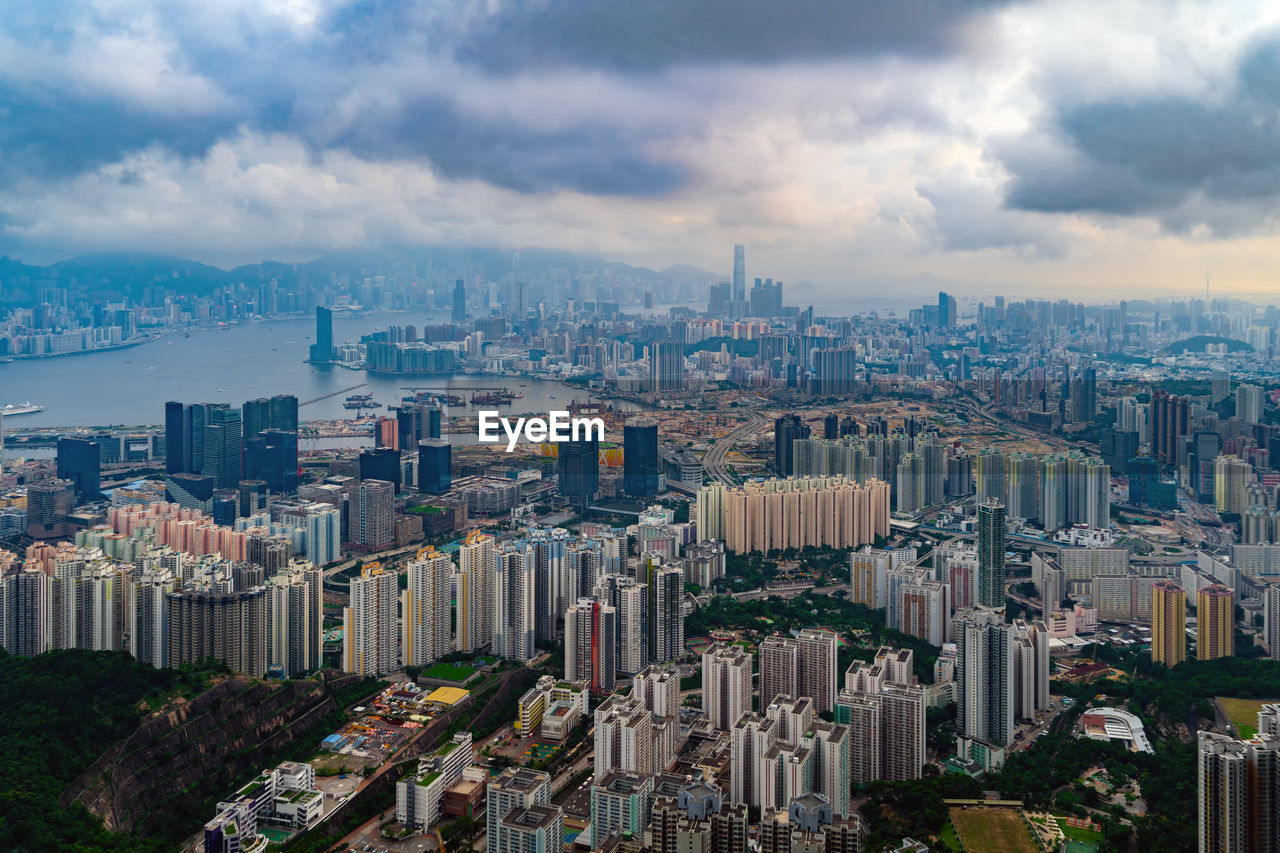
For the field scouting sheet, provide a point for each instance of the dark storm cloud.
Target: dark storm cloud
(590, 159)
(1155, 156)
(641, 36)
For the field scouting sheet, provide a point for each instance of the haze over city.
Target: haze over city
(1029, 148)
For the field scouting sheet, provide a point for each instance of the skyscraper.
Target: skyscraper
(474, 607)
(739, 276)
(985, 704)
(80, 462)
(223, 446)
(295, 621)
(640, 464)
(591, 644)
(666, 617)
(799, 667)
(666, 366)
(322, 349)
(786, 430)
(372, 524)
(1271, 619)
(991, 531)
(515, 789)
(579, 470)
(1168, 623)
(726, 685)
(459, 313)
(264, 413)
(514, 598)
(1237, 789)
(435, 458)
(425, 628)
(381, 463)
(1249, 401)
(1215, 622)
(369, 623)
(227, 626)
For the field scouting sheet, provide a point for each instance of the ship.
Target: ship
(359, 404)
(25, 408)
(501, 397)
(359, 398)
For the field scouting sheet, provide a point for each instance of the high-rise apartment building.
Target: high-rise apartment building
(986, 700)
(369, 623)
(475, 583)
(1237, 784)
(515, 789)
(425, 627)
(591, 644)
(991, 555)
(666, 366)
(372, 525)
(726, 685)
(1215, 622)
(666, 615)
(225, 626)
(1168, 623)
(1249, 401)
(1271, 619)
(514, 612)
(799, 667)
(295, 620)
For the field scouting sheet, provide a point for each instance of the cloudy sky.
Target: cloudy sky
(1061, 148)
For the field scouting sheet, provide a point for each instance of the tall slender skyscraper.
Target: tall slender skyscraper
(985, 705)
(425, 628)
(739, 276)
(223, 446)
(991, 532)
(459, 313)
(80, 461)
(295, 621)
(726, 685)
(1168, 623)
(666, 618)
(514, 599)
(1237, 785)
(322, 349)
(579, 470)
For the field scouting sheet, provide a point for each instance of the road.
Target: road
(788, 592)
(713, 461)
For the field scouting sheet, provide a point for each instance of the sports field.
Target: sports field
(992, 829)
(1243, 713)
(448, 672)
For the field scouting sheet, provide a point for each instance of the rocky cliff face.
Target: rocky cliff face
(187, 753)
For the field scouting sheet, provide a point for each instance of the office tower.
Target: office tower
(223, 446)
(666, 366)
(1215, 622)
(1249, 401)
(579, 470)
(666, 616)
(591, 643)
(1271, 619)
(459, 313)
(514, 614)
(1237, 783)
(946, 310)
(726, 685)
(381, 463)
(279, 412)
(272, 457)
(1168, 623)
(49, 502)
(373, 515)
(322, 349)
(989, 472)
(226, 626)
(514, 790)
(1117, 447)
(80, 462)
(369, 623)
(719, 297)
(177, 440)
(295, 621)
(426, 630)
(1206, 447)
(991, 531)
(1231, 479)
(831, 426)
(252, 495)
(640, 457)
(435, 459)
(739, 276)
(474, 613)
(786, 430)
(986, 681)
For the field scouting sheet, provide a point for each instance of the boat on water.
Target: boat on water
(359, 398)
(24, 408)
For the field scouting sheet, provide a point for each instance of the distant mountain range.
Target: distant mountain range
(116, 270)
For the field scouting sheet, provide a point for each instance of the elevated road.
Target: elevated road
(714, 461)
